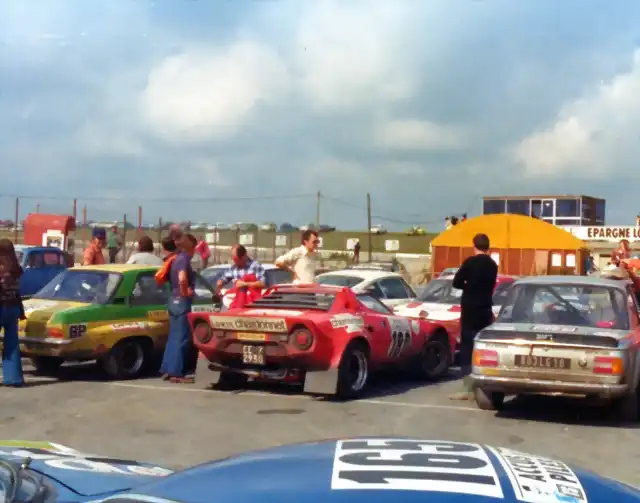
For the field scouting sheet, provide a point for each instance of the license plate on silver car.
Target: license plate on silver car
(542, 362)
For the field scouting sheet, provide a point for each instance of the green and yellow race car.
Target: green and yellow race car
(115, 314)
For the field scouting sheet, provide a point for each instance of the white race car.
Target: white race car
(440, 301)
(390, 288)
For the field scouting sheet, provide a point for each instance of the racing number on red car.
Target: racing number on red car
(400, 340)
(415, 465)
(76, 331)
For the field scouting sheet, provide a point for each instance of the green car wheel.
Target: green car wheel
(128, 359)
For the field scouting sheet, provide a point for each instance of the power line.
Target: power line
(162, 199)
(381, 217)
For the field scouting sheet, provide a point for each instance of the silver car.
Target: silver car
(571, 335)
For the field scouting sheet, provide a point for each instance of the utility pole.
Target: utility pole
(369, 225)
(318, 197)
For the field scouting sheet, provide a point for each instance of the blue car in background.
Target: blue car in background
(359, 470)
(40, 265)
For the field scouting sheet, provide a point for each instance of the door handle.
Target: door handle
(369, 328)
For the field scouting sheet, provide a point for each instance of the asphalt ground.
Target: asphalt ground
(180, 425)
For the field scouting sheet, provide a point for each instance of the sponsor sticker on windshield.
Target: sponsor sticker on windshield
(554, 328)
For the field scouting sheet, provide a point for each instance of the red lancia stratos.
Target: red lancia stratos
(326, 338)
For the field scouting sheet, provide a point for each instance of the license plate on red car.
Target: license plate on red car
(542, 362)
(253, 355)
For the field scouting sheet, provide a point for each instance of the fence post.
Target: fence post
(17, 222)
(256, 236)
(216, 257)
(85, 228)
(124, 238)
(160, 233)
(274, 243)
(139, 222)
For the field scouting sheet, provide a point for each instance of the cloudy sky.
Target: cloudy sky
(426, 104)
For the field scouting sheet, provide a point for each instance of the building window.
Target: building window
(586, 211)
(518, 206)
(600, 212)
(493, 206)
(547, 209)
(568, 221)
(567, 208)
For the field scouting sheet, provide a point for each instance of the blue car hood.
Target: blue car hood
(387, 470)
(84, 474)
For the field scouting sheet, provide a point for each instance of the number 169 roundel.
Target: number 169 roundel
(324, 338)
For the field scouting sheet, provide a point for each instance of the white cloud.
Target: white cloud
(204, 171)
(350, 54)
(594, 136)
(206, 94)
(97, 140)
(414, 134)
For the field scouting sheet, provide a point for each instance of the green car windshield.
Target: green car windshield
(95, 287)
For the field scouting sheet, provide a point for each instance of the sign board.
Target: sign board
(212, 237)
(604, 233)
(556, 260)
(392, 245)
(245, 239)
(496, 257)
(281, 241)
(53, 238)
(351, 243)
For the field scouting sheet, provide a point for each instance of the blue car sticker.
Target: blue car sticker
(537, 479)
(418, 465)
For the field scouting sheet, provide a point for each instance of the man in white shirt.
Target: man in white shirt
(145, 254)
(301, 261)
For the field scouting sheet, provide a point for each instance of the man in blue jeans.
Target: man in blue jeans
(180, 357)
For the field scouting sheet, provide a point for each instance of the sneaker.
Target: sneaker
(182, 380)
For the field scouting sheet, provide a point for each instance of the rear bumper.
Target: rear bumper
(515, 385)
(48, 346)
(233, 361)
(47, 342)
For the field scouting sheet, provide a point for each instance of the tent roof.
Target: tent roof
(60, 222)
(509, 231)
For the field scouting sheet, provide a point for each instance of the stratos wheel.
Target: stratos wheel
(353, 372)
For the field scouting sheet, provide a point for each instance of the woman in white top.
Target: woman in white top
(145, 254)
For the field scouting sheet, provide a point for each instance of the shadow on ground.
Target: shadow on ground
(561, 410)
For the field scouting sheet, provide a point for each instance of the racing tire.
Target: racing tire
(627, 408)
(128, 359)
(231, 381)
(46, 365)
(434, 359)
(489, 400)
(353, 371)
